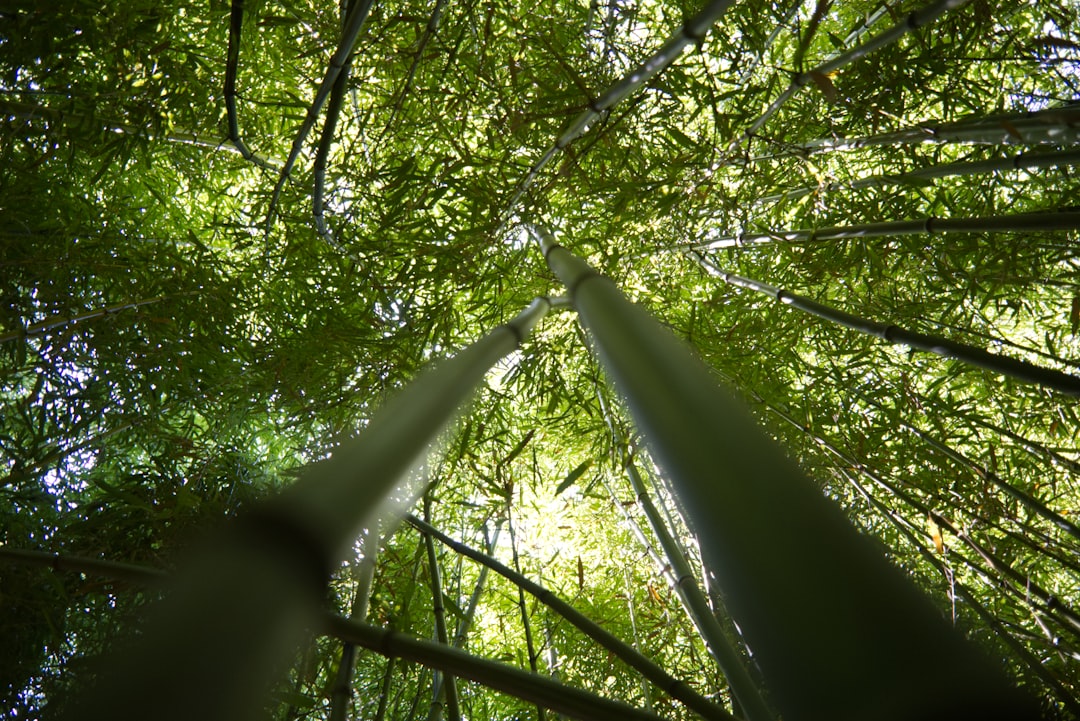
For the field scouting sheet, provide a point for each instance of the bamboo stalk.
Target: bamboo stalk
(697, 608)
(1021, 222)
(530, 647)
(443, 682)
(1054, 126)
(45, 326)
(919, 18)
(627, 654)
(341, 695)
(240, 606)
(1014, 368)
(692, 31)
(354, 22)
(326, 140)
(783, 554)
(1020, 161)
(516, 682)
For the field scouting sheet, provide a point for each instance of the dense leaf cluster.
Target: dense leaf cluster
(176, 339)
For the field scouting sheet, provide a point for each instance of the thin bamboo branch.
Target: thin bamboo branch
(1055, 126)
(516, 682)
(240, 607)
(916, 19)
(430, 31)
(1021, 161)
(692, 31)
(45, 326)
(326, 141)
(354, 22)
(1014, 368)
(341, 696)
(743, 687)
(1021, 222)
(656, 675)
(443, 682)
(782, 552)
(525, 624)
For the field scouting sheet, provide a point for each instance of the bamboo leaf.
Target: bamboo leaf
(572, 477)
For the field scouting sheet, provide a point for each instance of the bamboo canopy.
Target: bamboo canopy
(825, 304)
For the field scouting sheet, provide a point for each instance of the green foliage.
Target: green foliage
(213, 358)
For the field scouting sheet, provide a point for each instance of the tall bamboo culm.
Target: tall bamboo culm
(243, 602)
(838, 633)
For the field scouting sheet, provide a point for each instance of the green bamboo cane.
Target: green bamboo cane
(365, 575)
(697, 608)
(1014, 368)
(30, 112)
(501, 677)
(922, 508)
(914, 20)
(1021, 222)
(1053, 126)
(1033, 664)
(623, 651)
(240, 606)
(837, 631)
(693, 31)
(430, 31)
(443, 682)
(232, 65)
(530, 647)
(354, 22)
(42, 327)
(1021, 161)
(326, 140)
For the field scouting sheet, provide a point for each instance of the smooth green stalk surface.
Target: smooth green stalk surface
(838, 633)
(242, 602)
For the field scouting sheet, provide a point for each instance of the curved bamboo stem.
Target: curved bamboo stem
(626, 653)
(1014, 368)
(1021, 222)
(916, 19)
(777, 545)
(693, 31)
(522, 684)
